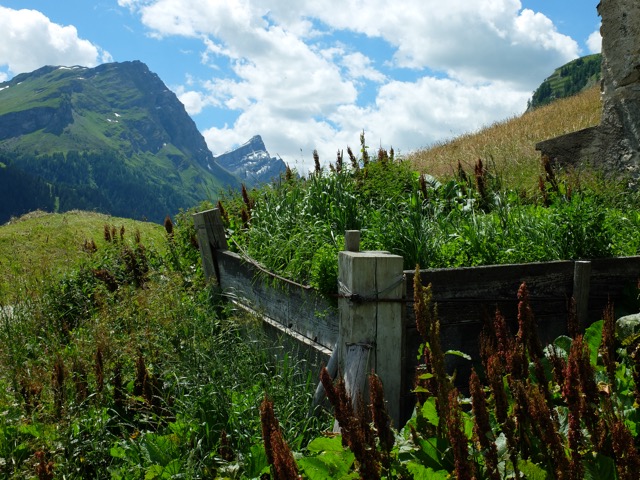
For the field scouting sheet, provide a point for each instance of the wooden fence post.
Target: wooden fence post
(371, 334)
(211, 237)
(581, 286)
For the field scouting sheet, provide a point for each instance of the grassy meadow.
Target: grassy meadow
(40, 246)
(119, 361)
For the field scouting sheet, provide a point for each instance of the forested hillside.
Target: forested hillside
(568, 80)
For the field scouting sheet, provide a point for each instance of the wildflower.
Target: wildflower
(339, 161)
(168, 226)
(277, 450)
(482, 427)
(608, 344)
(381, 418)
(99, 370)
(464, 468)
(547, 430)
(627, 458)
(58, 378)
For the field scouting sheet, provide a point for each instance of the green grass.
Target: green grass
(43, 246)
(127, 364)
(296, 226)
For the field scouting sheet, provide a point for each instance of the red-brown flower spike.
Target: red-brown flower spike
(276, 448)
(627, 458)
(482, 427)
(464, 467)
(608, 344)
(381, 418)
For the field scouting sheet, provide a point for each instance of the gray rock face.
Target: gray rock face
(251, 163)
(615, 144)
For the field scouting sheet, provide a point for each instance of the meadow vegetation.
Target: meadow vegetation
(566, 411)
(508, 147)
(474, 216)
(126, 364)
(120, 361)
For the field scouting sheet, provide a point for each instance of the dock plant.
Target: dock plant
(565, 411)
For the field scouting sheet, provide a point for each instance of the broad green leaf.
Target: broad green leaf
(563, 344)
(593, 338)
(327, 465)
(430, 412)
(458, 353)
(256, 461)
(533, 471)
(420, 472)
(425, 376)
(326, 444)
(154, 471)
(174, 467)
(433, 453)
(118, 452)
(34, 429)
(599, 467)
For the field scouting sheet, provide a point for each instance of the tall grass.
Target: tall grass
(131, 366)
(296, 226)
(509, 146)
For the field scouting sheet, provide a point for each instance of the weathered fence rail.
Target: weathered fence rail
(373, 319)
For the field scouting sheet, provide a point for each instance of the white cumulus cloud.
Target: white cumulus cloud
(594, 42)
(31, 40)
(299, 70)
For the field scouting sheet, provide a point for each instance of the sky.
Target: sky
(313, 74)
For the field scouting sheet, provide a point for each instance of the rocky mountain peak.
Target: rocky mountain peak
(252, 163)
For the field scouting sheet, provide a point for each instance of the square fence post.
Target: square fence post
(371, 334)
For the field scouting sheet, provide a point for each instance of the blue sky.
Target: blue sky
(312, 74)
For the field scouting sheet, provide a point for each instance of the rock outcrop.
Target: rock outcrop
(614, 145)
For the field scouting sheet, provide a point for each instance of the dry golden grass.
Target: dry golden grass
(508, 147)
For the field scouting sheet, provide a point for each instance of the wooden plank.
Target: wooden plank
(355, 375)
(390, 344)
(466, 298)
(352, 240)
(302, 310)
(614, 280)
(206, 253)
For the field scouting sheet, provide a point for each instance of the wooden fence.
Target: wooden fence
(371, 325)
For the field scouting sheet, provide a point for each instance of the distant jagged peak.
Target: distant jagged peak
(252, 163)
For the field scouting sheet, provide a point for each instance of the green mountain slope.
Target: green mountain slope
(572, 78)
(112, 138)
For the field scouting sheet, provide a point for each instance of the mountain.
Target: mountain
(251, 163)
(572, 78)
(112, 138)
